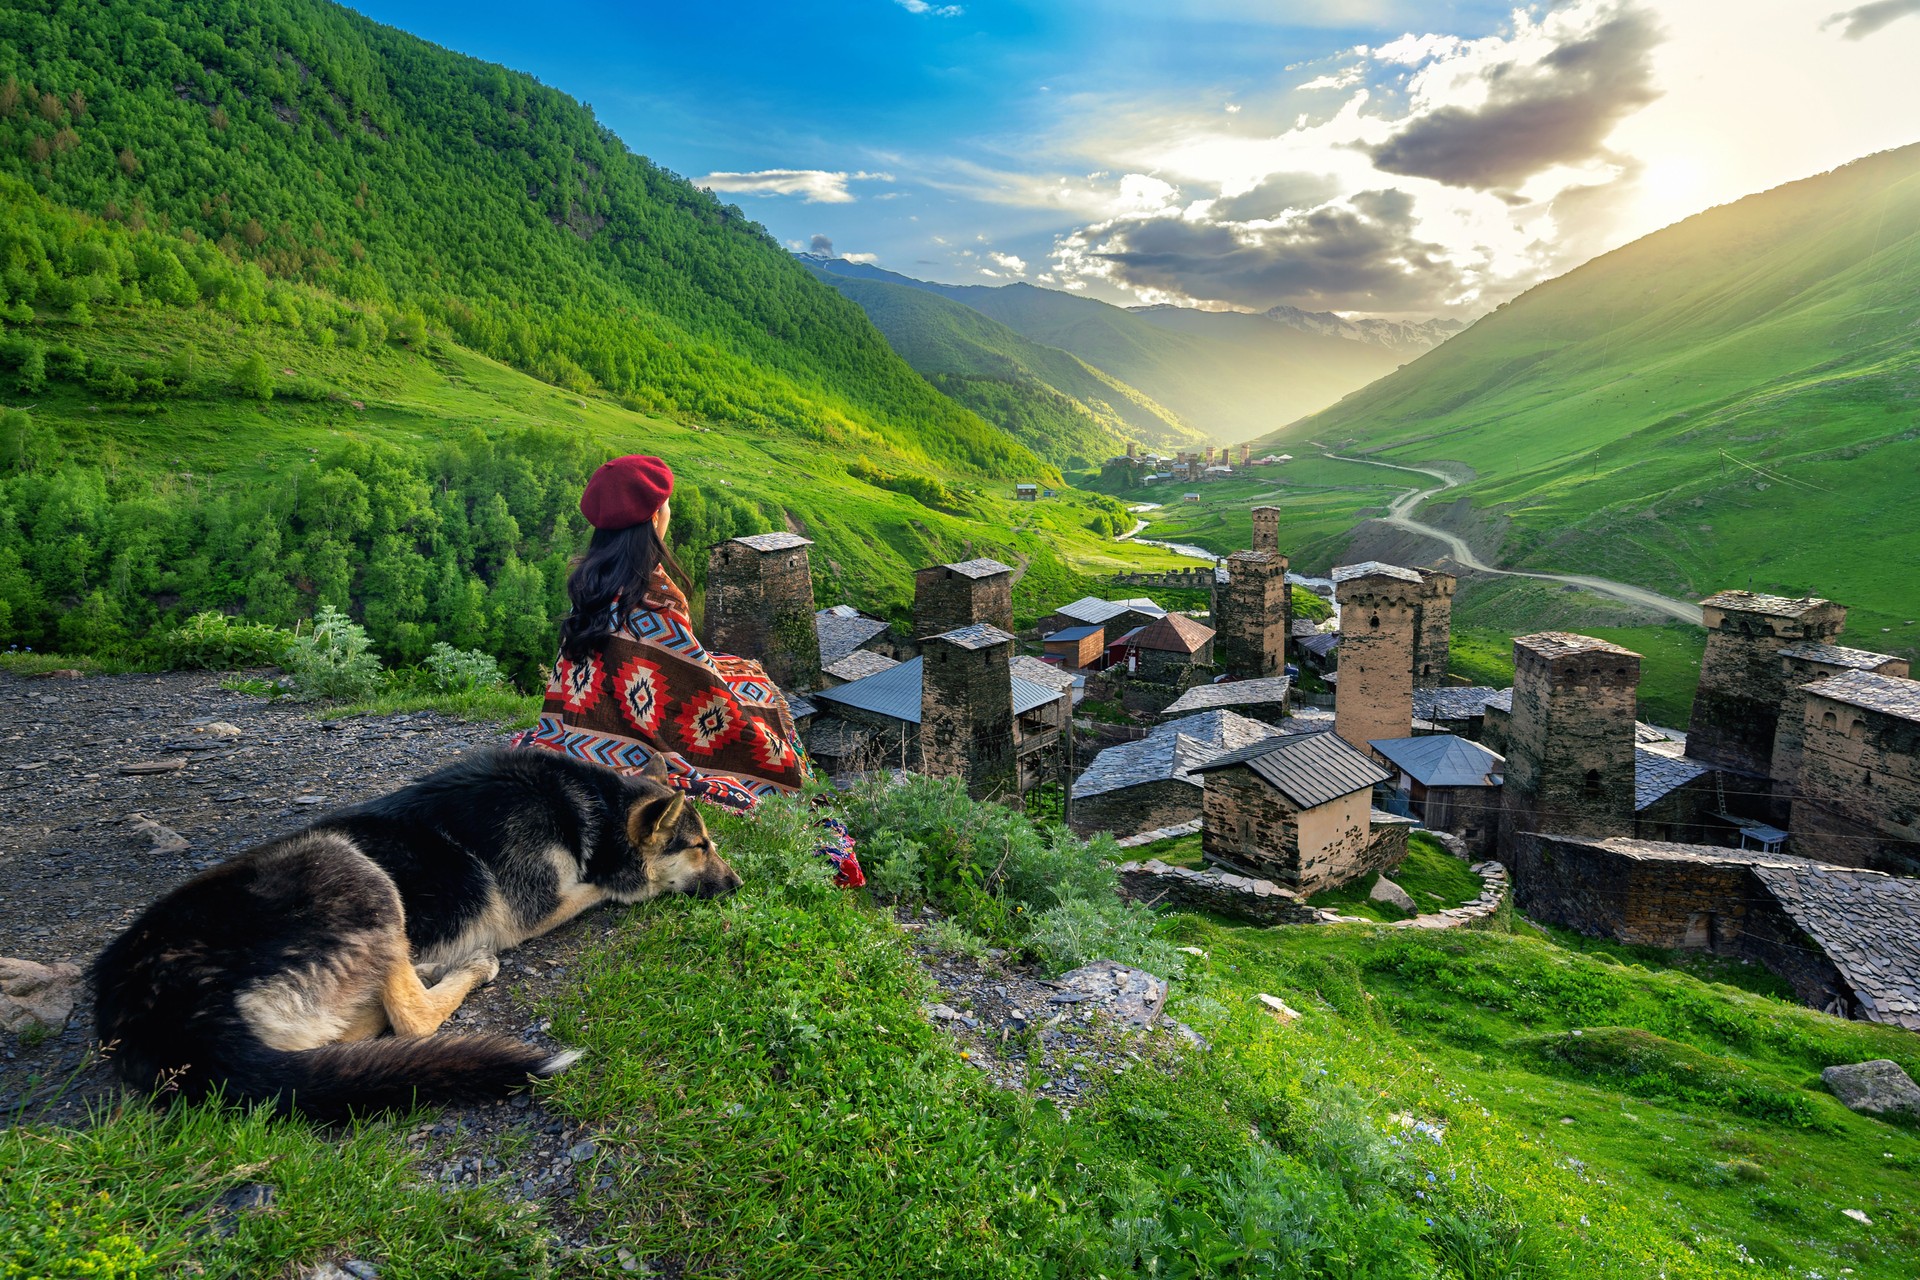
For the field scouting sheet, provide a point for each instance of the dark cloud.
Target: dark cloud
(1358, 256)
(1275, 195)
(821, 245)
(1869, 18)
(1558, 111)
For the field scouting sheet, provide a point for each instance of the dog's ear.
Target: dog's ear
(655, 767)
(651, 820)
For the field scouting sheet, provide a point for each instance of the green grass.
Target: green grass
(504, 707)
(40, 664)
(1181, 851)
(1432, 877)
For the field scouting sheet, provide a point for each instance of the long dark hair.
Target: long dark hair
(619, 564)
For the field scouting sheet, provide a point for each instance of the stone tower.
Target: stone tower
(1266, 529)
(1570, 753)
(966, 710)
(1252, 614)
(760, 605)
(1743, 683)
(1433, 628)
(947, 597)
(1379, 604)
(1805, 665)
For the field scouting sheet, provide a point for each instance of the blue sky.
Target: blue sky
(1367, 156)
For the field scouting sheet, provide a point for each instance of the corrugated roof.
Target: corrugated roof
(1234, 693)
(981, 568)
(1888, 695)
(1091, 609)
(1027, 695)
(1309, 769)
(858, 665)
(1373, 569)
(894, 692)
(1443, 760)
(1320, 645)
(1462, 703)
(1077, 633)
(1175, 633)
(1657, 774)
(981, 635)
(841, 634)
(1834, 655)
(774, 541)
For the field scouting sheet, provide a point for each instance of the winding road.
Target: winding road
(1400, 516)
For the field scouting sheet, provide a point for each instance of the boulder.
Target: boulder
(1385, 890)
(36, 995)
(1129, 997)
(1876, 1088)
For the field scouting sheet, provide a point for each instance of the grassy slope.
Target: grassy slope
(1728, 402)
(939, 336)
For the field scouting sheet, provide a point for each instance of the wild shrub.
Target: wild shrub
(451, 670)
(334, 661)
(213, 641)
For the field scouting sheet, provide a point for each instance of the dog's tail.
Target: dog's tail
(390, 1074)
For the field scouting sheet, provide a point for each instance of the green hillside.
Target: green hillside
(1732, 401)
(1220, 387)
(302, 138)
(1050, 400)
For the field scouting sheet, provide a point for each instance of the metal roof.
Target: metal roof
(1320, 644)
(840, 634)
(1077, 633)
(1234, 693)
(1170, 752)
(981, 635)
(1888, 695)
(774, 541)
(1373, 569)
(981, 568)
(1657, 774)
(1443, 760)
(1027, 695)
(1835, 655)
(894, 692)
(1175, 633)
(1309, 769)
(858, 665)
(1092, 609)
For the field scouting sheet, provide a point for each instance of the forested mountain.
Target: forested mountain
(1732, 400)
(1221, 388)
(298, 136)
(1050, 400)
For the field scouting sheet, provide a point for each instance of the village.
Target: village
(1777, 829)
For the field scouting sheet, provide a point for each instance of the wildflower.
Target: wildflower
(1430, 1177)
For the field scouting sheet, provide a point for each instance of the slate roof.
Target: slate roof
(981, 635)
(1561, 644)
(981, 568)
(1373, 569)
(1443, 760)
(1044, 674)
(1501, 701)
(1304, 627)
(1170, 752)
(1076, 633)
(799, 708)
(1867, 922)
(1309, 769)
(1175, 633)
(774, 541)
(1888, 695)
(840, 634)
(1753, 602)
(1452, 704)
(1234, 693)
(1834, 655)
(1320, 645)
(1089, 609)
(1657, 774)
(858, 665)
(894, 692)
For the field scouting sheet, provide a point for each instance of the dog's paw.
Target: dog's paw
(486, 965)
(430, 974)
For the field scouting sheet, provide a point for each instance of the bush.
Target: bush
(1082, 930)
(335, 661)
(451, 670)
(252, 377)
(213, 641)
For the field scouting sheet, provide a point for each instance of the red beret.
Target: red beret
(626, 492)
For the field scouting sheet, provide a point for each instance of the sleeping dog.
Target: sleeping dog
(273, 975)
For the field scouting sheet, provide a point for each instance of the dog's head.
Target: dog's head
(676, 852)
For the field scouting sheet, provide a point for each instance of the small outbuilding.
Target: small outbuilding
(1297, 810)
(1080, 648)
(1147, 784)
(1448, 783)
(1263, 699)
(1114, 617)
(1164, 649)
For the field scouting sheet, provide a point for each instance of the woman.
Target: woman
(632, 684)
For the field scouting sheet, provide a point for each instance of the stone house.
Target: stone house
(1846, 939)
(1168, 649)
(1450, 784)
(1147, 784)
(760, 604)
(1267, 699)
(1297, 810)
(1570, 738)
(1081, 648)
(1114, 617)
(1806, 664)
(1857, 798)
(1460, 710)
(1743, 684)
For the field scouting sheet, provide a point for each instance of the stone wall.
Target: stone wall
(895, 744)
(1494, 724)
(1857, 800)
(1253, 615)
(1433, 628)
(1135, 809)
(1743, 683)
(1790, 731)
(1250, 824)
(1570, 738)
(760, 606)
(946, 598)
(1221, 892)
(1374, 697)
(1164, 666)
(966, 715)
(1472, 814)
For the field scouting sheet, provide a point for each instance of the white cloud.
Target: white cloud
(868, 258)
(1015, 265)
(1411, 50)
(814, 186)
(1231, 108)
(1339, 79)
(934, 10)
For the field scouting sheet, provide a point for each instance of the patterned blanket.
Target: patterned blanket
(721, 726)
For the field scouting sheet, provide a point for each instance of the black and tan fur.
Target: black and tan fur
(274, 975)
